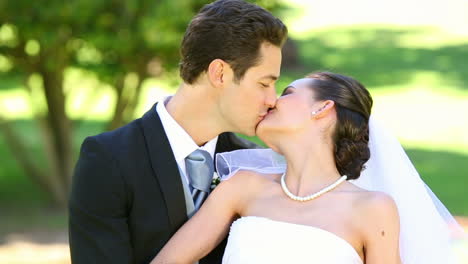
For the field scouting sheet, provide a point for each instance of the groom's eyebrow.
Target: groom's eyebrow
(271, 77)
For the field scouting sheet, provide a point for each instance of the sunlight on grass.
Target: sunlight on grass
(428, 37)
(306, 16)
(27, 252)
(461, 251)
(423, 115)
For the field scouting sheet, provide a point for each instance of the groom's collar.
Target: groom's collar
(181, 142)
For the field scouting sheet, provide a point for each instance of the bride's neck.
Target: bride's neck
(310, 167)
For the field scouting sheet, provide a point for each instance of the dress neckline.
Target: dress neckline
(344, 241)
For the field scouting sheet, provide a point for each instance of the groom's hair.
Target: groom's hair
(231, 30)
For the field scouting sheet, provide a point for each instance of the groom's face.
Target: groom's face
(246, 102)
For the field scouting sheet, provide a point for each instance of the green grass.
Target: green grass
(446, 174)
(25, 207)
(380, 56)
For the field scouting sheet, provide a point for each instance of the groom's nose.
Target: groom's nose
(270, 101)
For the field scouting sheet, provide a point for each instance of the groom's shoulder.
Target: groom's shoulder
(119, 139)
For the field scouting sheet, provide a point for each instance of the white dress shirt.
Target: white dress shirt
(181, 142)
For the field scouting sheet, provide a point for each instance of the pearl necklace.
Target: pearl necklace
(314, 195)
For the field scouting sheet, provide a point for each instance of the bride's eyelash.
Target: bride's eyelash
(286, 92)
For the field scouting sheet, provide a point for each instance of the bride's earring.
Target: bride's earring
(316, 112)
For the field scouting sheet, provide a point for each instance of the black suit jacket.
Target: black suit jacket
(127, 197)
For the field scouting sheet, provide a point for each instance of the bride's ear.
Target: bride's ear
(322, 111)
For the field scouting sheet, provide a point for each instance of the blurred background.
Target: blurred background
(70, 69)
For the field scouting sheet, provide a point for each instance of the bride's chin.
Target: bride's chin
(259, 133)
(261, 130)
(264, 133)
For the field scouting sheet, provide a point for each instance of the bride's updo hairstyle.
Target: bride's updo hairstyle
(353, 105)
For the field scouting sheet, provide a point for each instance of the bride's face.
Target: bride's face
(292, 112)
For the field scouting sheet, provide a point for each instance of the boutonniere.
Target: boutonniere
(216, 180)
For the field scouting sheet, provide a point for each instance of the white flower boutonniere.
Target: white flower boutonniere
(216, 180)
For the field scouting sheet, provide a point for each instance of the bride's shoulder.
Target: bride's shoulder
(369, 200)
(376, 211)
(373, 202)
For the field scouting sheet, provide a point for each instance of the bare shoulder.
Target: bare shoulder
(378, 202)
(375, 204)
(369, 202)
(377, 212)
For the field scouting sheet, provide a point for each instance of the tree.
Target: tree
(121, 42)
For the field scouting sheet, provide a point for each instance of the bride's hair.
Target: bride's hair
(353, 104)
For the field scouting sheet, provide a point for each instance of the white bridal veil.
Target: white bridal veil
(426, 225)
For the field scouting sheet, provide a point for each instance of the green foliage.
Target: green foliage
(106, 37)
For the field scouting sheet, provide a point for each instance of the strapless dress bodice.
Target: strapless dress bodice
(259, 240)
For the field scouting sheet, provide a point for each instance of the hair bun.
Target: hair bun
(353, 104)
(352, 154)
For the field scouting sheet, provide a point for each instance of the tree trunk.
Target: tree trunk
(118, 116)
(37, 175)
(57, 129)
(127, 99)
(130, 111)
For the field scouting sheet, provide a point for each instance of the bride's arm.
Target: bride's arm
(208, 227)
(381, 230)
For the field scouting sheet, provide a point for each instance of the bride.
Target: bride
(311, 204)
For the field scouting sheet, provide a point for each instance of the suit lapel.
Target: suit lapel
(165, 168)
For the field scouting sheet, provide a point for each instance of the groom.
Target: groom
(132, 188)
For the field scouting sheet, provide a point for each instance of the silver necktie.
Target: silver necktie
(200, 168)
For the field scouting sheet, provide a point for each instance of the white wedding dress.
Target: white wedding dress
(260, 240)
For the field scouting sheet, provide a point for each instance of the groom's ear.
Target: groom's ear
(218, 71)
